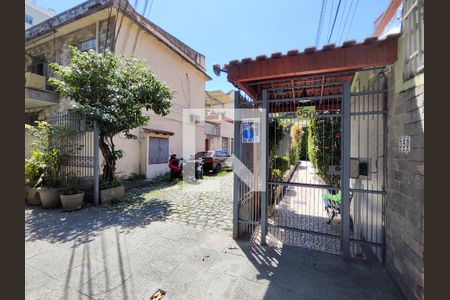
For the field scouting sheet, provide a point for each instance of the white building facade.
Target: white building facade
(34, 14)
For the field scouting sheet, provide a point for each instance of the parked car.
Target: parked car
(215, 161)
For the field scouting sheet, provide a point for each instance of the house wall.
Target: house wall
(405, 187)
(226, 128)
(181, 77)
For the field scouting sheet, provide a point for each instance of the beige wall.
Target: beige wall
(183, 78)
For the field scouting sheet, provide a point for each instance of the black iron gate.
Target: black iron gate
(80, 139)
(333, 200)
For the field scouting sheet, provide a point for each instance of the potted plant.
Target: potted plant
(110, 190)
(32, 175)
(44, 167)
(49, 193)
(72, 193)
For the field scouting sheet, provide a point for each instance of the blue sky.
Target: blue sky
(235, 29)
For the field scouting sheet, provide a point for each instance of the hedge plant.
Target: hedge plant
(324, 146)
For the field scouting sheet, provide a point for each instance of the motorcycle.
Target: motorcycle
(193, 166)
(176, 167)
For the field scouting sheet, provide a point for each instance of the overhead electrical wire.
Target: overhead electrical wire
(334, 22)
(319, 27)
(127, 32)
(331, 17)
(345, 23)
(351, 20)
(341, 18)
(140, 25)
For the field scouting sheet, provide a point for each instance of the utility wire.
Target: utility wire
(319, 27)
(331, 17)
(351, 20)
(346, 19)
(341, 18)
(334, 22)
(140, 26)
(127, 32)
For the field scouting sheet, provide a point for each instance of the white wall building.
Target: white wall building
(219, 130)
(34, 14)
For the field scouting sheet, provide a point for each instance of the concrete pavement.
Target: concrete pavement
(91, 254)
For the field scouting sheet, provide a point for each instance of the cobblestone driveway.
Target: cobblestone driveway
(207, 204)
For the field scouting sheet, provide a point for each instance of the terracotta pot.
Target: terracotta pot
(49, 197)
(113, 193)
(72, 202)
(33, 197)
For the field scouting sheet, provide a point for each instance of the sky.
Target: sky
(236, 29)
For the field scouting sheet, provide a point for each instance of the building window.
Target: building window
(86, 45)
(158, 150)
(29, 19)
(413, 40)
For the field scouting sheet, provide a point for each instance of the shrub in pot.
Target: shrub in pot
(51, 149)
(32, 174)
(49, 192)
(72, 194)
(110, 190)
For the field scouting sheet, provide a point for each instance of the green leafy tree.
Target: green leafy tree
(111, 90)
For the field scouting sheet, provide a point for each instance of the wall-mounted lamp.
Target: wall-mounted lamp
(217, 69)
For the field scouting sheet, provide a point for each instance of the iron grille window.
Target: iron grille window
(413, 38)
(29, 19)
(158, 150)
(86, 45)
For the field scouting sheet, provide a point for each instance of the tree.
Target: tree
(111, 90)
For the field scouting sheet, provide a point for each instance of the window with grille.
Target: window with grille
(158, 150)
(86, 45)
(413, 38)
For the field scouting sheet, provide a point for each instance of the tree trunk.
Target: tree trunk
(108, 154)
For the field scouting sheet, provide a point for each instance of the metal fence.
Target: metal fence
(335, 200)
(79, 138)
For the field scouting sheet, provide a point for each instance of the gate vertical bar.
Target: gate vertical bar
(96, 166)
(236, 145)
(265, 167)
(345, 182)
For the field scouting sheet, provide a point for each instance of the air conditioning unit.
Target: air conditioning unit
(194, 119)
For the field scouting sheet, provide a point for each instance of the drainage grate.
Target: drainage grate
(159, 294)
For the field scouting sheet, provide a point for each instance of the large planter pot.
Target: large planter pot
(113, 193)
(33, 197)
(72, 202)
(49, 197)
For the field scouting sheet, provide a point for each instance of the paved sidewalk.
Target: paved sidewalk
(208, 204)
(188, 263)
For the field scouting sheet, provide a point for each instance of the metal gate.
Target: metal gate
(81, 138)
(332, 201)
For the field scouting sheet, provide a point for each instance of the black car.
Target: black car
(215, 161)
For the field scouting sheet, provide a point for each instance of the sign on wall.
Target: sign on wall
(305, 113)
(404, 144)
(250, 131)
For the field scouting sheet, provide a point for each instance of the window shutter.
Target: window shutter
(153, 149)
(163, 150)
